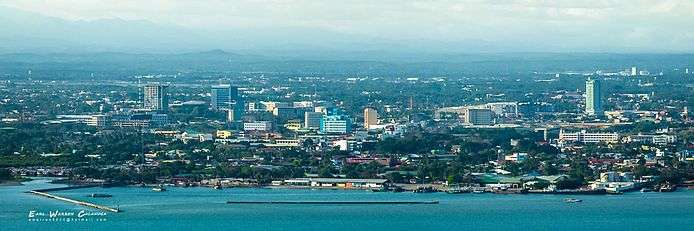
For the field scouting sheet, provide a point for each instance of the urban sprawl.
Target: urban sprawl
(557, 132)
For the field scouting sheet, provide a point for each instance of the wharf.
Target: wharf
(67, 188)
(43, 192)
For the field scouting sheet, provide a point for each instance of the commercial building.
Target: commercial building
(284, 143)
(156, 97)
(366, 160)
(593, 98)
(345, 144)
(337, 183)
(660, 139)
(226, 97)
(223, 97)
(293, 125)
(223, 134)
(516, 157)
(284, 113)
(99, 121)
(370, 117)
(478, 116)
(585, 137)
(139, 120)
(335, 124)
(270, 106)
(257, 126)
(312, 120)
(503, 109)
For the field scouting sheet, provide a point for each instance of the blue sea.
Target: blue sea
(206, 209)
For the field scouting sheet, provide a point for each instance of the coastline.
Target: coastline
(396, 188)
(411, 189)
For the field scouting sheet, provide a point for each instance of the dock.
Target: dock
(336, 202)
(43, 192)
(68, 188)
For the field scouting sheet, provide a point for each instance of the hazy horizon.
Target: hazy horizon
(336, 27)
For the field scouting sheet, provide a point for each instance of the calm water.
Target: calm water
(204, 208)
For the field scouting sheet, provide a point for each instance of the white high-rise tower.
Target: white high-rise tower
(593, 103)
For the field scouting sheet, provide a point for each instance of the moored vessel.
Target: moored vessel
(572, 200)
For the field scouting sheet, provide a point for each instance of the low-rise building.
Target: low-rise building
(223, 134)
(337, 183)
(364, 160)
(287, 143)
(479, 116)
(661, 139)
(335, 124)
(257, 126)
(292, 125)
(516, 157)
(99, 121)
(585, 137)
(139, 120)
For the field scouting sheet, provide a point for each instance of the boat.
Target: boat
(667, 188)
(159, 189)
(217, 186)
(397, 189)
(572, 200)
(99, 195)
(425, 190)
(511, 191)
(458, 190)
(643, 190)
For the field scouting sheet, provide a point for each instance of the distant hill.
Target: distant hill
(424, 65)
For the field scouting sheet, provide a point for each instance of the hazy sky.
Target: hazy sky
(571, 25)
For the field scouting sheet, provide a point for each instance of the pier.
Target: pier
(68, 188)
(335, 202)
(43, 192)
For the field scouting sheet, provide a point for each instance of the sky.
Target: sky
(660, 26)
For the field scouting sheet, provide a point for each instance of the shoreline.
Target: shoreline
(284, 187)
(409, 188)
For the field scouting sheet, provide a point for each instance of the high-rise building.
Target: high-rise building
(223, 96)
(226, 97)
(156, 97)
(370, 117)
(312, 119)
(593, 101)
(634, 72)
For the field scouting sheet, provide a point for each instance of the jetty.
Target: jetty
(44, 193)
(335, 202)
